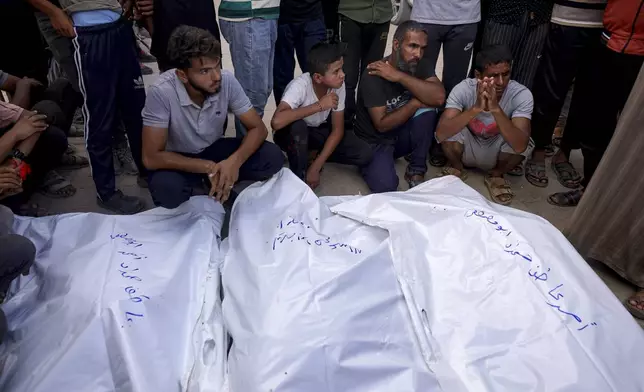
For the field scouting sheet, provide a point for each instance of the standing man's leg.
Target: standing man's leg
(284, 66)
(131, 96)
(98, 63)
(351, 36)
(311, 33)
(330, 9)
(529, 52)
(457, 51)
(374, 40)
(252, 43)
(435, 36)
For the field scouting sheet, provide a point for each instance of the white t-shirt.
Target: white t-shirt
(299, 93)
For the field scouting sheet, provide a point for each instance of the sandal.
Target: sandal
(70, 160)
(551, 150)
(517, 171)
(56, 186)
(634, 303)
(566, 174)
(499, 189)
(535, 173)
(414, 179)
(566, 199)
(452, 171)
(32, 210)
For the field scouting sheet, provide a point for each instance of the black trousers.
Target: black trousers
(298, 139)
(525, 40)
(330, 9)
(366, 43)
(457, 42)
(594, 114)
(567, 55)
(113, 88)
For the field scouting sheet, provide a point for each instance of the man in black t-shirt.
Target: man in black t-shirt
(299, 28)
(396, 111)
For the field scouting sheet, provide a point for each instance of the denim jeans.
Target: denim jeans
(252, 49)
(298, 38)
(414, 140)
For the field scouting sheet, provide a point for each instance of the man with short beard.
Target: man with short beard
(183, 125)
(396, 111)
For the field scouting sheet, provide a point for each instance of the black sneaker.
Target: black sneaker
(122, 204)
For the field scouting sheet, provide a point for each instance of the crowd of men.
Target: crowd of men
(352, 104)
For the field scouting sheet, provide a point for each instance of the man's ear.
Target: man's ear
(477, 74)
(182, 75)
(395, 45)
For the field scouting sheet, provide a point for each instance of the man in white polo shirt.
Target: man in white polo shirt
(183, 125)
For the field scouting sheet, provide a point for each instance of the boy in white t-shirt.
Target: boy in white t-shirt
(301, 122)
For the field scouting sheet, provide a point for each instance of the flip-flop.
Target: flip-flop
(566, 174)
(638, 313)
(566, 199)
(535, 173)
(56, 186)
(73, 161)
(500, 190)
(451, 171)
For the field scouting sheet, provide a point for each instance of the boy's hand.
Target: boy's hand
(329, 101)
(313, 177)
(10, 182)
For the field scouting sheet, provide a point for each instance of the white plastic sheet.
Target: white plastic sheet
(311, 299)
(119, 304)
(495, 299)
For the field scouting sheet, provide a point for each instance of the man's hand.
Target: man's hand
(384, 70)
(492, 100)
(10, 182)
(418, 104)
(145, 8)
(313, 176)
(29, 125)
(329, 101)
(481, 95)
(62, 23)
(26, 84)
(222, 178)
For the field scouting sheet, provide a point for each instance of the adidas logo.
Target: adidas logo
(138, 82)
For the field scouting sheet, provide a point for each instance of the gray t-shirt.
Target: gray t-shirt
(516, 101)
(192, 128)
(446, 12)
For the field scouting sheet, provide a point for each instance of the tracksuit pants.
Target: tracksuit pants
(112, 87)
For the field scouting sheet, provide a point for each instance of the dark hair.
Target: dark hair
(492, 55)
(406, 27)
(322, 55)
(187, 43)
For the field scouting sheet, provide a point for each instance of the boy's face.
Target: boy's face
(334, 76)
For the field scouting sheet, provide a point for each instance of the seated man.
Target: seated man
(16, 258)
(486, 123)
(183, 125)
(33, 148)
(395, 112)
(300, 121)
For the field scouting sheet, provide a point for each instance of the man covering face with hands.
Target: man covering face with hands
(486, 123)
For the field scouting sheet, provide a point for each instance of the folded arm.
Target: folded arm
(429, 91)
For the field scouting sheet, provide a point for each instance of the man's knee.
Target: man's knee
(272, 158)
(6, 220)
(383, 183)
(168, 189)
(452, 147)
(18, 254)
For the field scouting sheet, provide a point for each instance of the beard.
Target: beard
(402, 65)
(202, 90)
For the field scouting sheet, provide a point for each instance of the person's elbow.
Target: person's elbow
(277, 123)
(150, 160)
(521, 146)
(441, 133)
(259, 129)
(440, 98)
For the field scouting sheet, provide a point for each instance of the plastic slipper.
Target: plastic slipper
(450, 171)
(566, 174)
(566, 199)
(535, 173)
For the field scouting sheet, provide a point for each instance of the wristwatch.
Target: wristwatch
(18, 154)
